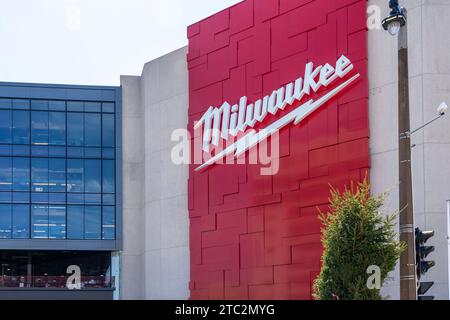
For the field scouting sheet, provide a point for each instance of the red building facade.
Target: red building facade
(255, 236)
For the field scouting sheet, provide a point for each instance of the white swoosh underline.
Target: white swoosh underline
(299, 114)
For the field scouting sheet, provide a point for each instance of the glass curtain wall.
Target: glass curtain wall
(57, 170)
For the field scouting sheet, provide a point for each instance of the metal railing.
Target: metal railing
(55, 282)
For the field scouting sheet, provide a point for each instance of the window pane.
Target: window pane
(75, 175)
(39, 128)
(39, 197)
(57, 175)
(5, 221)
(21, 221)
(93, 198)
(57, 198)
(108, 176)
(21, 197)
(21, 174)
(5, 197)
(109, 223)
(39, 104)
(57, 152)
(93, 176)
(92, 224)
(5, 126)
(57, 222)
(92, 130)
(57, 128)
(39, 151)
(75, 129)
(108, 107)
(21, 151)
(75, 198)
(108, 130)
(92, 107)
(39, 222)
(5, 103)
(75, 106)
(5, 174)
(21, 127)
(39, 174)
(57, 105)
(75, 221)
(21, 104)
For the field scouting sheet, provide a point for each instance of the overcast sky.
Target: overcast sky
(92, 41)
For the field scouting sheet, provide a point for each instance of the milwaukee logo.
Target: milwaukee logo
(226, 121)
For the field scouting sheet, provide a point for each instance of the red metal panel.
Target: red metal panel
(254, 236)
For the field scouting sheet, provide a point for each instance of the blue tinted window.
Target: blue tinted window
(21, 221)
(21, 151)
(75, 198)
(93, 198)
(39, 105)
(57, 152)
(92, 222)
(93, 176)
(75, 152)
(57, 128)
(39, 197)
(75, 106)
(21, 197)
(21, 174)
(75, 222)
(5, 150)
(21, 127)
(109, 199)
(21, 104)
(108, 107)
(57, 175)
(57, 198)
(5, 126)
(109, 223)
(75, 175)
(93, 153)
(39, 151)
(109, 153)
(92, 130)
(57, 105)
(57, 222)
(39, 127)
(39, 174)
(108, 130)
(5, 103)
(5, 197)
(92, 107)
(75, 129)
(5, 174)
(39, 221)
(5, 221)
(108, 176)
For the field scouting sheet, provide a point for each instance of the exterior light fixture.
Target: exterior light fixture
(443, 109)
(396, 19)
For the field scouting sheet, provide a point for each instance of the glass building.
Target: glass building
(60, 190)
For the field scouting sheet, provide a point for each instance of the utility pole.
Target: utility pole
(396, 24)
(408, 277)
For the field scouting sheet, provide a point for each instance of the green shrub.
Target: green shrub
(355, 236)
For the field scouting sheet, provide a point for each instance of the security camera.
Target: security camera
(442, 108)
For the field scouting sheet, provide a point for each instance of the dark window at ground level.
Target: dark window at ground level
(47, 269)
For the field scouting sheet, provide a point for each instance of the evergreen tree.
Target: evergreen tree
(355, 237)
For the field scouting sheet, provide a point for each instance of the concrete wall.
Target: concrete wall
(429, 44)
(155, 260)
